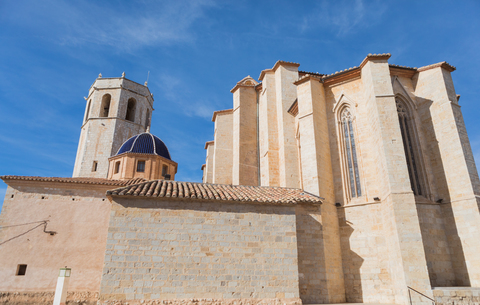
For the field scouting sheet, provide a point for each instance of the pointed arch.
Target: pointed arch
(345, 115)
(405, 112)
(343, 101)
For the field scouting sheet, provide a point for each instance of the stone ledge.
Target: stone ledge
(205, 301)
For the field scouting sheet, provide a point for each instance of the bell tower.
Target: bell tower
(116, 109)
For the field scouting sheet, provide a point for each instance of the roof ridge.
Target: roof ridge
(212, 191)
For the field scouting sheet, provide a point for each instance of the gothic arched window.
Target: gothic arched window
(406, 127)
(350, 151)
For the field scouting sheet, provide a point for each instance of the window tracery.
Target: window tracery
(350, 152)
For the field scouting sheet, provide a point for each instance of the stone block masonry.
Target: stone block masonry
(174, 250)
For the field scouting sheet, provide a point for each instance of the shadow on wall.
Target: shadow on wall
(311, 258)
(313, 278)
(442, 191)
(351, 262)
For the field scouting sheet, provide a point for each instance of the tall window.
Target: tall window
(406, 127)
(130, 115)
(350, 149)
(105, 109)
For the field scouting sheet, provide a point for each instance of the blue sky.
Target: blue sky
(52, 51)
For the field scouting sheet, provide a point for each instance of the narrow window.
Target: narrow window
(94, 166)
(353, 175)
(404, 119)
(147, 119)
(87, 114)
(130, 115)
(164, 170)
(21, 270)
(117, 167)
(105, 109)
(141, 166)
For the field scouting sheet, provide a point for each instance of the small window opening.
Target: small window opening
(117, 167)
(141, 166)
(43, 197)
(164, 170)
(73, 199)
(130, 115)
(13, 196)
(95, 166)
(21, 269)
(105, 109)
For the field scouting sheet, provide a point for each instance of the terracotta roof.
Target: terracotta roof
(81, 180)
(175, 189)
(311, 73)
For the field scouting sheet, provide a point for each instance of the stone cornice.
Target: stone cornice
(369, 57)
(342, 76)
(306, 78)
(275, 67)
(147, 156)
(245, 82)
(262, 74)
(402, 71)
(221, 112)
(209, 143)
(442, 64)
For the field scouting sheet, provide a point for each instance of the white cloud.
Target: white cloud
(343, 17)
(177, 92)
(126, 26)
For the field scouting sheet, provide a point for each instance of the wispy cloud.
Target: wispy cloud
(178, 92)
(126, 26)
(343, 17)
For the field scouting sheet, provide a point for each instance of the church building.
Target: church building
(353, 187)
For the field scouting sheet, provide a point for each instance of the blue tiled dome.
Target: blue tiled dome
(145, 143)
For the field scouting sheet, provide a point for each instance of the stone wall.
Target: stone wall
(160, 249)
(435, 243)
(457, 296)
(101, 137)
(365, 255)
